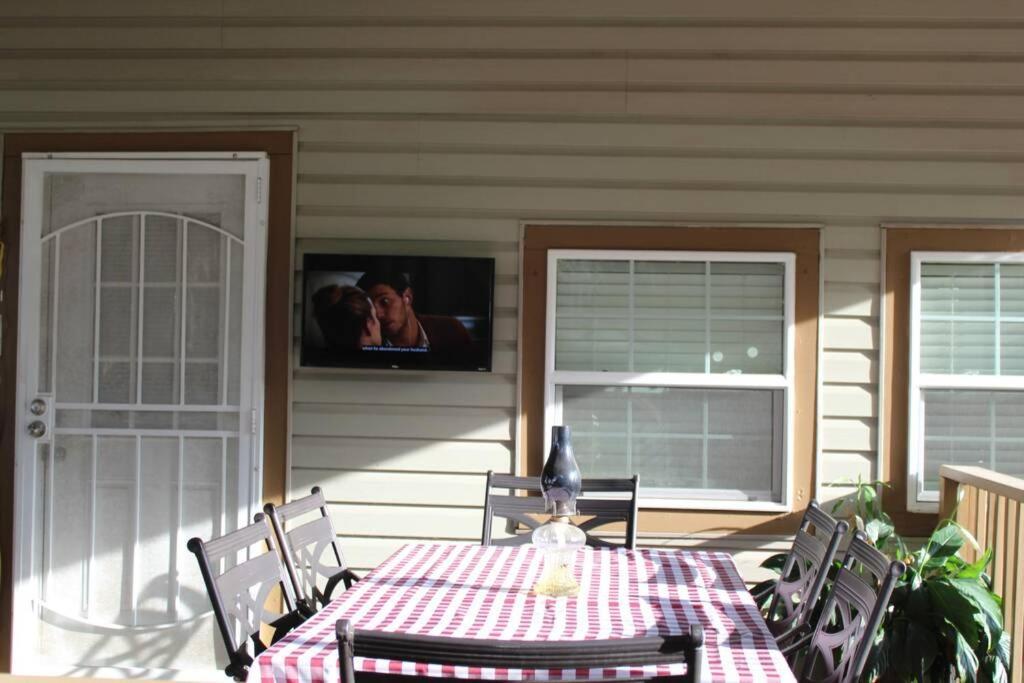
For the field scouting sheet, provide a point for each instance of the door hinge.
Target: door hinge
(259, 189)
(253, 421)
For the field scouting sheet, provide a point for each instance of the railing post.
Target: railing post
(948, 489)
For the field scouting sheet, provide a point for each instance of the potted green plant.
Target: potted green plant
(944, 622)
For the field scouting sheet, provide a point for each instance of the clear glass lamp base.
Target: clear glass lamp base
(558, 541)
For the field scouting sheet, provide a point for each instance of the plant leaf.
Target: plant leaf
(994, 670)
(957, 610)
(775, 562)
(984, 599)
(921, 647)
(878, 530)
(1003, 649)
(966, 660)
(943, 542)
(974, 570)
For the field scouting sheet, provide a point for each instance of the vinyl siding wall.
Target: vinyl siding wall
(438, 127)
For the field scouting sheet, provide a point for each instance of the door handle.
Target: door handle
(37, 429)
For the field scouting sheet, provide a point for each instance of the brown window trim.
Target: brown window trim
(804, 242)
(899, 242)
(279, 146)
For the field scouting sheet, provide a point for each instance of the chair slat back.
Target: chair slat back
(301, 506)
(805, 570)
(519, 508)
(505, 654)
(842, 640)
(236, 586)
(310, 548)
(238, 590)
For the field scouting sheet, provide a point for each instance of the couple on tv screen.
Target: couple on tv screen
(427, 312)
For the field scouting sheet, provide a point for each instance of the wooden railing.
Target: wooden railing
(990, 507)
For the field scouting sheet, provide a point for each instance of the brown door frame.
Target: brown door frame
(279, 146)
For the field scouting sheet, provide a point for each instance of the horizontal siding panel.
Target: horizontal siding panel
(342, 167)
(846, 107)
(112, 38)
(846, 466)
(828, 495)
(219, 101)
(430, 422)
(846, 269)
(847, 435)
(849, 367)
(506, 256)
(397, 521)
(849, 401)
(395, 488)
(850, 334)
(851, 299)
(926, 108)
(111, 8)
(363, 554)
(657, 138)
(861, 40)
(536, 201)
(390, 454)
(404, 228)
(614, 12)
(821, 74)
(325, 72)
(482, 390)
(867, 237)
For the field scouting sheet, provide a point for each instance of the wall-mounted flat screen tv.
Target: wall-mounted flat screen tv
(400, 312)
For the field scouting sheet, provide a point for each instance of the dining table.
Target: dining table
(473, 591)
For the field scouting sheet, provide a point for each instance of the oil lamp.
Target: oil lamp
(559, 539)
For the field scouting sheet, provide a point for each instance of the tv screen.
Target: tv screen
(400, 312)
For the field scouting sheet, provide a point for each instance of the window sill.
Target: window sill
(926, 506)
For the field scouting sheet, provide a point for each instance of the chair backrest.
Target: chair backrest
(805, 570)
(304, 545)
(840, 643)
(239, 590)
(506, 654)
(601, 511)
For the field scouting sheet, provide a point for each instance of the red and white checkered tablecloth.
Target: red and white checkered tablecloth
(471, 591)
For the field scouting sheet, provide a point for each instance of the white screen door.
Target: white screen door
(140, 390)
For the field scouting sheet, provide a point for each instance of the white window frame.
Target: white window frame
(660, 498)
(919, 500)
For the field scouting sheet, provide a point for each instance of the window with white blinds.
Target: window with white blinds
(676, 366)
(967, 367)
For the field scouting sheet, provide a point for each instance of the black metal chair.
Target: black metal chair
(803, 575)
(505, 654)
(837, 649)
(240, 612)
(303, 548)
(601, 511)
